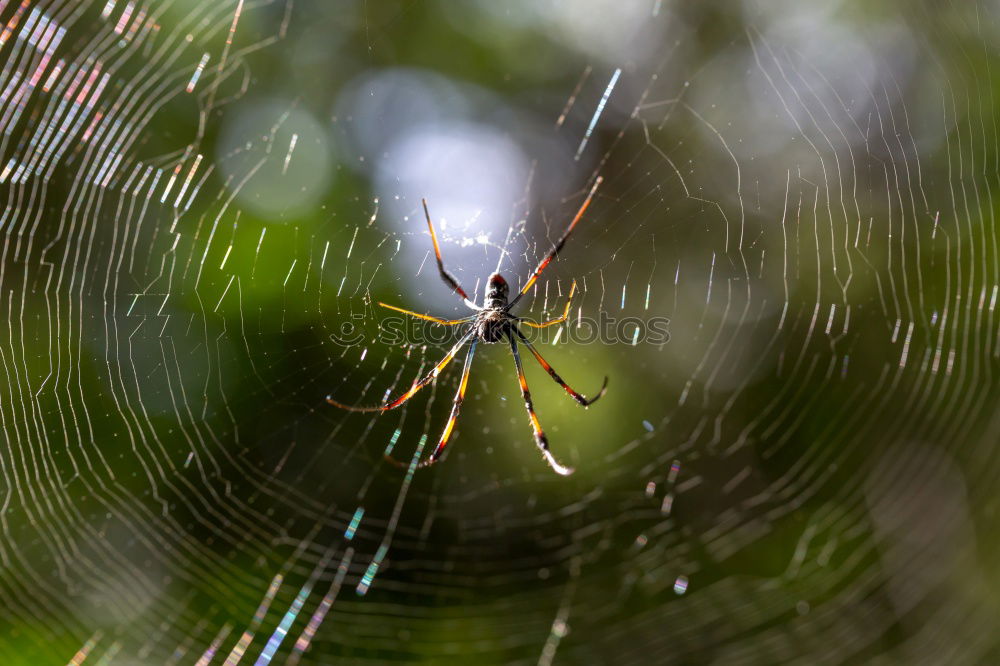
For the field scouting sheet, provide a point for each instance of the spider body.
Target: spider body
(492, 323)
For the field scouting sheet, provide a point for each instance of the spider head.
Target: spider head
(496, 291)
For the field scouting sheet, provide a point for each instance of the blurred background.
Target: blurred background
(204, 203)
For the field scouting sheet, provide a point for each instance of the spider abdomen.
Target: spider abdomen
(492, 326)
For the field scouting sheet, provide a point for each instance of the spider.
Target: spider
(492, 323)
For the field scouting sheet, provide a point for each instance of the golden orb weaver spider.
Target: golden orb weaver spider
(492, 323)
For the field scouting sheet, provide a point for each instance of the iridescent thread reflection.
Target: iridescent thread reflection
(241, 645)
(597, 112)
(85, 649)
(366, 581)
(278, 637)
(302, 644)
(392, 442)
(355, 521)
(209, 653)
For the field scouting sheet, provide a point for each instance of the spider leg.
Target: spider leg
(436, 320)
(455, 406)
(445, 275)
(559, 244)
(585, 402)
(558, 320)
(540, 439)
(417, 385)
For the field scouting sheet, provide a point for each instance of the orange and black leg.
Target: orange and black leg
(558, 320)
(559, 244)
(445, 275)
(585, 402)
(417, 385)
(456, 405)
(436, 320)
(540, 439)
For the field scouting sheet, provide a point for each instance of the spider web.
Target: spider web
(206, 201)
